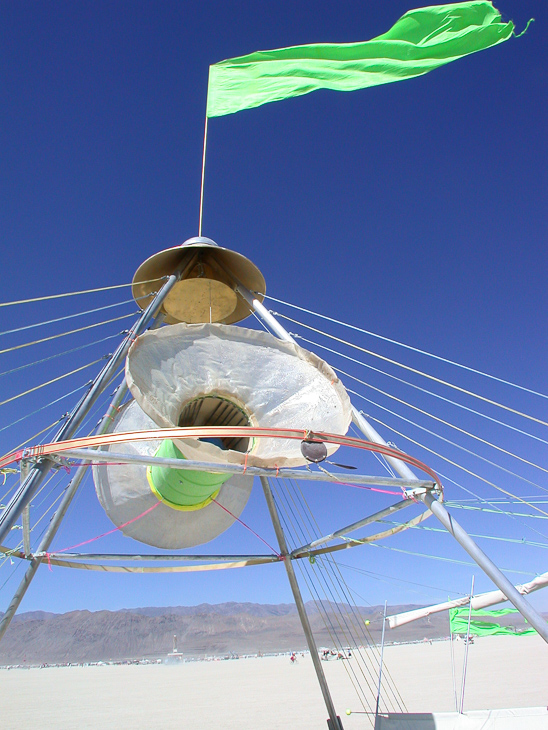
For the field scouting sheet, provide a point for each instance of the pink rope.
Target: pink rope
(247, 527)
(86, 542)
(362, 486)
(99, 463)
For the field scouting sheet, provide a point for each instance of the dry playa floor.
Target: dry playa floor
(268, 693)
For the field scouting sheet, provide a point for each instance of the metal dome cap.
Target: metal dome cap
(206, 291)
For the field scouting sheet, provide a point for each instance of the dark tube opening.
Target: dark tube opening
(214, 410)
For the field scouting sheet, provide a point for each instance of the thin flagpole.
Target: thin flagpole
(453, 661)
(467, 645)
(381, 662)
(203, 177)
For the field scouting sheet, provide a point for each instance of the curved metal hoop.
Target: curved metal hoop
(228, 562)
(108, 439)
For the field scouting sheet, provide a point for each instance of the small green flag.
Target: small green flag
(420, 41)
(458, 619)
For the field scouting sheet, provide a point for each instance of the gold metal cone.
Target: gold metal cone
(206, 293)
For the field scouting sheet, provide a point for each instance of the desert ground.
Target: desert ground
(270, 692)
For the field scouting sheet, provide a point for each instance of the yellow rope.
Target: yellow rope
(418, 372)
(75, 293)
(63, 334)
(49, 382)
(31, 438)
(52, 505)
(440, 420)
(454, 463)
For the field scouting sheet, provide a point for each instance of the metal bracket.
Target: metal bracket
(417, 492)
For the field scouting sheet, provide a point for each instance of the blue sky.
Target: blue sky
(415, 210)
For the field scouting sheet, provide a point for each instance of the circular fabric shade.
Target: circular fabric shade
(211, 374)
(125, 493)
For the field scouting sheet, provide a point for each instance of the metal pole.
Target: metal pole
(466, 647)
(453, 662)
(381, 663)
(25, 520)
(30, 485)
(300, 551)
(334, 722)
(57, 519)
(365, 427)
(25, 515)
(373, 435)
(101, 455)
(173, 557)
(486, 564)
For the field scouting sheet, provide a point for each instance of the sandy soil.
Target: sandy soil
(270, 692)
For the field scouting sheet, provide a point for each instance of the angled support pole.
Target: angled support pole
(304, 549)
(365, 427)
(95, 455)
(486, 564)
(38, 472)
(334, 722)
(57, 519)
(436, 507)
(25, 515)
(373, 435)
(55, 523)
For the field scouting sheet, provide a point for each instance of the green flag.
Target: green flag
(458, 619)
(420, 41)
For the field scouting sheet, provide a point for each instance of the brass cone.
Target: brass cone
(206, 291)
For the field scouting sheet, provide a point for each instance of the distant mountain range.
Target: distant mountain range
(82, 636)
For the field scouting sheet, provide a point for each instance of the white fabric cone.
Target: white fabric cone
(124, 493)
(277, 383)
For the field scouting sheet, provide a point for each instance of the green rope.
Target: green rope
(518, 35)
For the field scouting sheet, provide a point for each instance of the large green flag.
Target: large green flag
(420, 41)
(458, 619)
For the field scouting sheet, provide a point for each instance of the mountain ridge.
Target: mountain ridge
(204, 629)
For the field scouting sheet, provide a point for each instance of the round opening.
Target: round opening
(213, 410)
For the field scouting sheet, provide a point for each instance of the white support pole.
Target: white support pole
(466, 648)
(484, 562)
(411, 490)
(25, 515)
(38, 472)
(365, 427)
(25, 520)
(334, 722)
(381, 661)
(452, 640)
(480, 601)
(57, 518)
(304, 549)
(373, 435)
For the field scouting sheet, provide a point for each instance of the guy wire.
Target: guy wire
(354, 610)
(322, 611)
